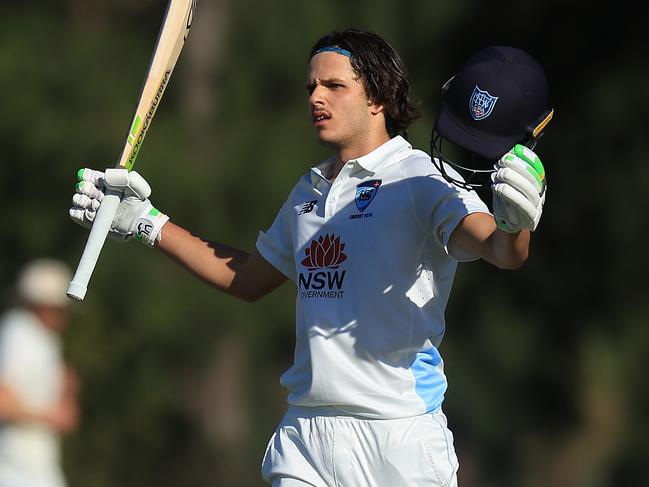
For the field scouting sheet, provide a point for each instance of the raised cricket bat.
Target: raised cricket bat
(174, 30)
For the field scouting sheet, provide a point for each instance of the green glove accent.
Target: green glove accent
(535, 166)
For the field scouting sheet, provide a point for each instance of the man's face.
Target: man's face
(340, 110)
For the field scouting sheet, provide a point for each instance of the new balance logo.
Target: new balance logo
(308, 207)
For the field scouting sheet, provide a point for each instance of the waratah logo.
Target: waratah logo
(326, 252)
(323, 279)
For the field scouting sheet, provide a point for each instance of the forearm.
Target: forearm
(478, 234)
(14, 411)
(508, 250)
(214, 263)
(247, 276)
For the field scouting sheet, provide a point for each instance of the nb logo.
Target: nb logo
(308, 207)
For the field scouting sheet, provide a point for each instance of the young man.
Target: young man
(38, 391)
(371, 238)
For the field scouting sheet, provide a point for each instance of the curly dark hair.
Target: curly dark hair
(382, 72)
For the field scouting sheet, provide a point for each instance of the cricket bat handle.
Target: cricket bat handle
(98, 233)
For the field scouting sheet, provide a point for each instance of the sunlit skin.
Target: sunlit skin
(345, 119)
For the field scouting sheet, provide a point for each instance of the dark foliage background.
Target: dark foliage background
(180, 384)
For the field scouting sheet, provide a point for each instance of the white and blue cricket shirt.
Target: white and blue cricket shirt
(369, 255)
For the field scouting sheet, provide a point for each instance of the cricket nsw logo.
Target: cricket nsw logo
(481, 104)
(365, 193)
(322, 260)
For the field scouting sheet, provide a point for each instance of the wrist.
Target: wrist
(505, 226)
(148, 228)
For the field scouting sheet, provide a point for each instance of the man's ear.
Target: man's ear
(376, 108)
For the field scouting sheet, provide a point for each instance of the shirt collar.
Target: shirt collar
(371, 162)
(383, 154)
(321, 172)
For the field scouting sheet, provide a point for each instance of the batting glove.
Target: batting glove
(135, 218)
(519, 188)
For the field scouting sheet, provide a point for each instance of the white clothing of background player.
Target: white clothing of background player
(38, 391)
(371, 238)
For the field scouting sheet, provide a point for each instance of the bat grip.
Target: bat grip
(98, 233)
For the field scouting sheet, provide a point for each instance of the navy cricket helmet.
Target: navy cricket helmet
(497, 100)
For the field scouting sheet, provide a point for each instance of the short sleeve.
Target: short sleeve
(440, 205)
(455, 205)
(276, 244)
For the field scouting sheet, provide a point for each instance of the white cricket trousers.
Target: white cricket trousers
(314, 447)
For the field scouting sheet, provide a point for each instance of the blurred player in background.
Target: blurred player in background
(371, 237)
(38, 391)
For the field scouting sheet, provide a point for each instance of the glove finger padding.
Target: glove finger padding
(514, 198)
(87, 197)
(519, 188)
(520, 166)
(91, 175)
(513, 179)
(81, 216)
(90, 190)
(135, 217)
(85, 202)
(528, 163)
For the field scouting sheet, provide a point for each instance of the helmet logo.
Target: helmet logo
(481, 104)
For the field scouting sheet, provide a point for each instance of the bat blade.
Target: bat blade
(173, 33)
(175, 27)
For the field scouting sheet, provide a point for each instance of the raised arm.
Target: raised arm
(477, 233)
(519, 189)
(247, 276)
